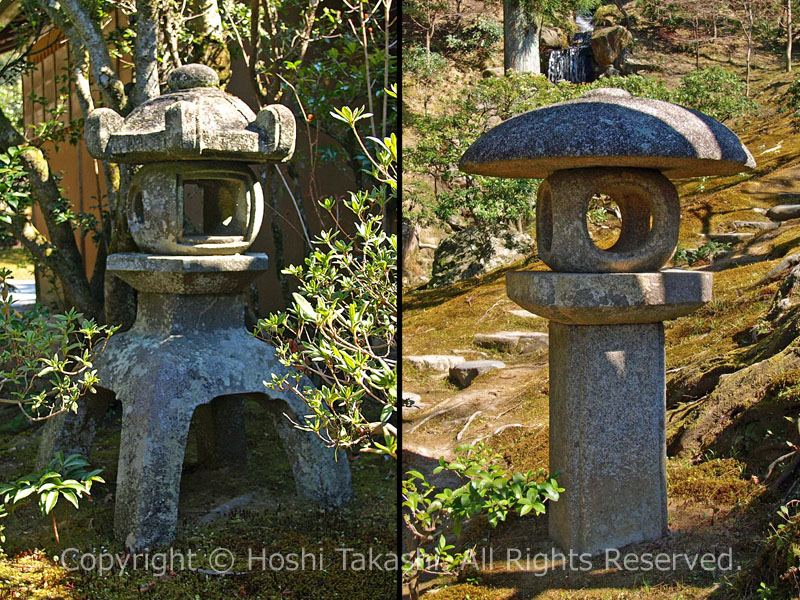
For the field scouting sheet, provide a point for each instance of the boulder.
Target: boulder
(608, 43)
(553, 37)
(755, 225)
(463, 374)
(493, 72)
(476, 251)
(513, 341)
(437, 362)
(631, 66)
(784, 212)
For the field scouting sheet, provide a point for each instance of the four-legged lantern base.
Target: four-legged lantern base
(189, 351)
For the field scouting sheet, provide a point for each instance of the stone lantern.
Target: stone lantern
(606, 307)
(194, 208)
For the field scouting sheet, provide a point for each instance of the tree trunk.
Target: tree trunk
(788, 36)
(747, 77)
(520, 39)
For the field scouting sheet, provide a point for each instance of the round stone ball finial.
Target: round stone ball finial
(192, 76)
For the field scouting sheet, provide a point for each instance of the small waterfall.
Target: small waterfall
(575, 63)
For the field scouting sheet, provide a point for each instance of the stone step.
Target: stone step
(513, 341)
(411, 401)
(755, 224)
(437, 362)
(730, 238)
(784, 212)
(463, 374)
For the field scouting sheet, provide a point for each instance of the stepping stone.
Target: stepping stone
(437, 362)
(513, 341)
(730, 238)
(756, 224)
(411, 401)
(784, 212)
(463, 374)
(523, 314)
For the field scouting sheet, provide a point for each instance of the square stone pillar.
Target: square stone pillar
(607, 416)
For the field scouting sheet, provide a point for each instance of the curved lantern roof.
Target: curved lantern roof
(608, 127)
(194, 120)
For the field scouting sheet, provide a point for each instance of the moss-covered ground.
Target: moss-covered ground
(277, 522)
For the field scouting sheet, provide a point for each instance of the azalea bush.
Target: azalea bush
(434, 518)
(46, 363)
(339, 331)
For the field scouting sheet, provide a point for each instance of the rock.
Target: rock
(631, 66)
(553, 37)
(648, 134)
(758, 209)
(784, 212)
(437, 362)
(493, 72)
(730, 238)
(463, 374)
(755, 225)
(512, 341)
(608, 42)
(476, 251)
(788, 198)
(611, 71)
(523, 314)
(411, 401)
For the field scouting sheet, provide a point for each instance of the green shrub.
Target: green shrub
(426, 69)
(481, 34)
(715, 92)
(489, 489)
(793, 100)
(689, 256)
(68, 478)
(340, 329)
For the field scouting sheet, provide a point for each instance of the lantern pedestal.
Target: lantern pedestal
(190, 349)
(607, 397)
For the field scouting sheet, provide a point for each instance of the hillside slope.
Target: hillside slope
(733, 384)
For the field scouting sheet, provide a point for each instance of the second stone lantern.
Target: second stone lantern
(606, 307)
(193, 209)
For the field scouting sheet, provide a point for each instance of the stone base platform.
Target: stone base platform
(607, 398)
(607, 298)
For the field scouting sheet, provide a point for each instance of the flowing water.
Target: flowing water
(574, 63)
